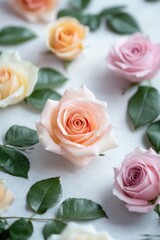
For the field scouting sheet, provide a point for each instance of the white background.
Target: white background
(96, 180)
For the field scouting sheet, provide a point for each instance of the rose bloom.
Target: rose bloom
(137, 181)
(77, 127)
(80, 232)
(6, 196)
(65, 38)
(136, 58)
(17, 78)
(34, 10)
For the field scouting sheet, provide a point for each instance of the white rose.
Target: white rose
(17, 78)
(6, 196)
(78, 232)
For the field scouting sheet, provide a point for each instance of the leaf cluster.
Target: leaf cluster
(42, 196)
(143, 109)
(48, 80)
(117, 20)
(18, 139)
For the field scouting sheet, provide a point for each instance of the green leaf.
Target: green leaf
(21, 229)
(39, 97)
(92, 21)
(15, 35)
(152, 0)
(153, 133)
(111, 10)
(3, 226)
(49, 78)
(69, 12)
(4, 235)
(44, 195)
(14, 162)
(144, 106)
(122, 23)
(20, 136)
(80, 209)
(79, 4)
(53, 227)
(157, 209)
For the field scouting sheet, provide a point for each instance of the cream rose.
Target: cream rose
(65, 38)
(6, 196)
(79, 232)
(76, 127)
(34, 10)
(17, 78)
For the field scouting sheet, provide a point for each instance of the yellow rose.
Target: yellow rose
(6, 196)
(65, 38)
(34, 10)
(17, 78)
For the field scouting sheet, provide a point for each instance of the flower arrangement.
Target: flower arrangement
(74, 123)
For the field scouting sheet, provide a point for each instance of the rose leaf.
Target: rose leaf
(79, 4)
(122, 23)
(39, 97)
(49, 78)
(15, 35)
(92, 21)
(153, 134)
(111, 10)
(14, 162)
(21, 229)
(44, 195)
(80, 209)
(144, 106)
(20, 136)
(53, 227)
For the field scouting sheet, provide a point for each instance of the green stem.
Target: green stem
(28, 218)
(18, 148)
(132, 85)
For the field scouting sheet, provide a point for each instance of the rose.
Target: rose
(76, 127)
(79, 232)
(136, 58)
(64, 38)
(137, 181)
(34, 10)
(6, 196)
(17, 78)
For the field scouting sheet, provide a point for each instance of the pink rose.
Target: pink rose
(136, 58)
(137, 181)
(34, 10)
(77, 127)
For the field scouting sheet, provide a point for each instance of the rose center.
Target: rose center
(135, 51)
(135, 176)
(77, 124)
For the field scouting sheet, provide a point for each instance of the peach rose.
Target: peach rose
(6, 196)
(34, 10)
(17, 78)
(65, 38)
(77, 127)
(79, 232)
(137, 181)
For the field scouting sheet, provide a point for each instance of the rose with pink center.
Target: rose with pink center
(34, 10)
(136, 58)
(137, 181)
(77, 127)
